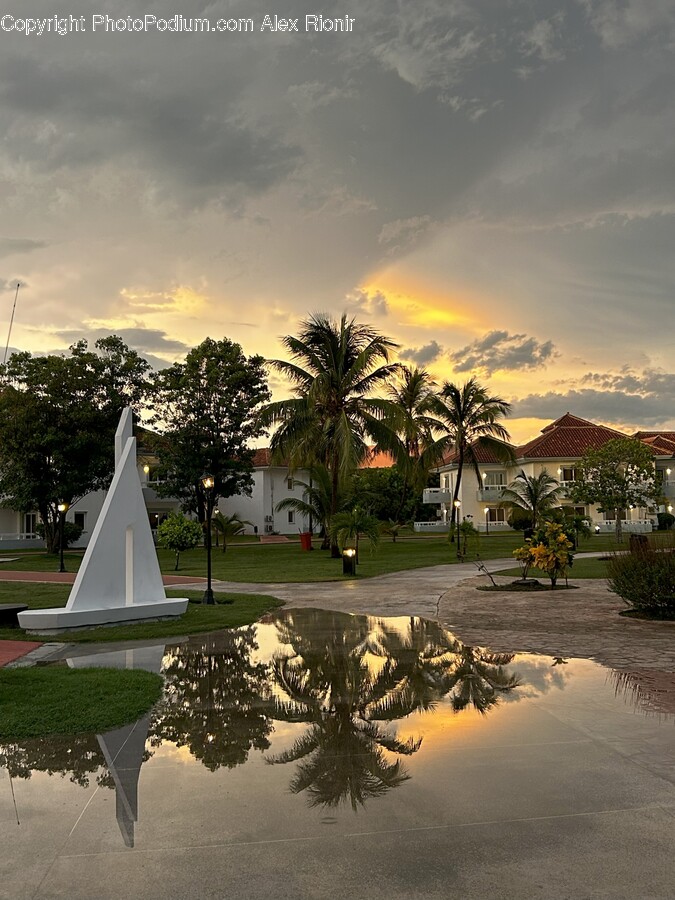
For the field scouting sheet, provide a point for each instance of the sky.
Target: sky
(490, 183)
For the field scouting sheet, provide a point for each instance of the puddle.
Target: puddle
(315, 718)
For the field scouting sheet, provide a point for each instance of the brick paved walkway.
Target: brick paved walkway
(69, 578)
(11, 650)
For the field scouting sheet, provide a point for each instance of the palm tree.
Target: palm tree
(334, 369)
(315, 503)
(535, 493)
(346, 527)
(228, 526)
(467, 418)
(412, 428)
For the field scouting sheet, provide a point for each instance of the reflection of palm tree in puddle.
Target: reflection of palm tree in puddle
(343, 675)
(479, 677)
(649, 690)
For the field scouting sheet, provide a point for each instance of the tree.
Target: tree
(206, 411)
(347, 527)
(178, 533)
(228, 526)
(467, 418)
(58, 417)
(412, 430)
(617, 476)
(535, 493)
(334, 369)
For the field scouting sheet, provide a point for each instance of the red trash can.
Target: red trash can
(306, 540)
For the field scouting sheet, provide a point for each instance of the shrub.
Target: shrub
(645, 580)
(665, 520)
(549, 549)
(178, 533)
(519, 519)
(71, 534)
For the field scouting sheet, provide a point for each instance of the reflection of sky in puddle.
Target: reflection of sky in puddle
(315, 714)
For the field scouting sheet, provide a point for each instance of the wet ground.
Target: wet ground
(321, 754)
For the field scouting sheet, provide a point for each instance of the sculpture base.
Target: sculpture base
(54, 621)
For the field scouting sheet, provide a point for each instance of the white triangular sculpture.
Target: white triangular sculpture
(119, 579)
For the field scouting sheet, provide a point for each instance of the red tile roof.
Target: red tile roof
(262, 457)
(568, 421)
(661, 444)
(482, 454)
(569, 437)
(641, 435)
(375, 459)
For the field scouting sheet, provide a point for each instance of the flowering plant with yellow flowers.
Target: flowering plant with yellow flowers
(549, 549)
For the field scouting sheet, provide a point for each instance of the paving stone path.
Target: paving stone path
(577, 623)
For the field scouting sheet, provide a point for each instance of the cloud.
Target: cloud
(632, 399)
(370, 304)
(9, 246)
(618, 24)
(542, 40)
(96, 112)
(402, 233)
(422, 356)
(501, 351)
(144, 340)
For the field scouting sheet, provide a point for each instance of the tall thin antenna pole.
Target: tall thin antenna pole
(11, 322)
(16, 811)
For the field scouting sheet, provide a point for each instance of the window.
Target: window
(496, 515)
(290, 485)
(29, 523)
(79, 519)
(568, 473)
(291, 517)
(495, 479)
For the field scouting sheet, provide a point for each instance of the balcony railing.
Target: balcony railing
(637, 526)
(491, 492)
(668, 488)
(437, 525)
(436, 495)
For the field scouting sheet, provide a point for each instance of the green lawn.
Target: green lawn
(255, 562)
(36, 702)
(244, 609)
(582, 568)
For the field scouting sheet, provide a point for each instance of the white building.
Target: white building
(558, 449)
(271, 484)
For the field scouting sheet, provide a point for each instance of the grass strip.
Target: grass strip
(55, 700)
(240, 609)
(260, 563)
(589, 567)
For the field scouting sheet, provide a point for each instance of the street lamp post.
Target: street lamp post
(487, 519)
(457, 504)
(349, 561)
(63, 509)
(208, 484)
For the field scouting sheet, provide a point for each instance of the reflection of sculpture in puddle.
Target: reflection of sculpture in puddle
(124, 748)
(344, 675)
